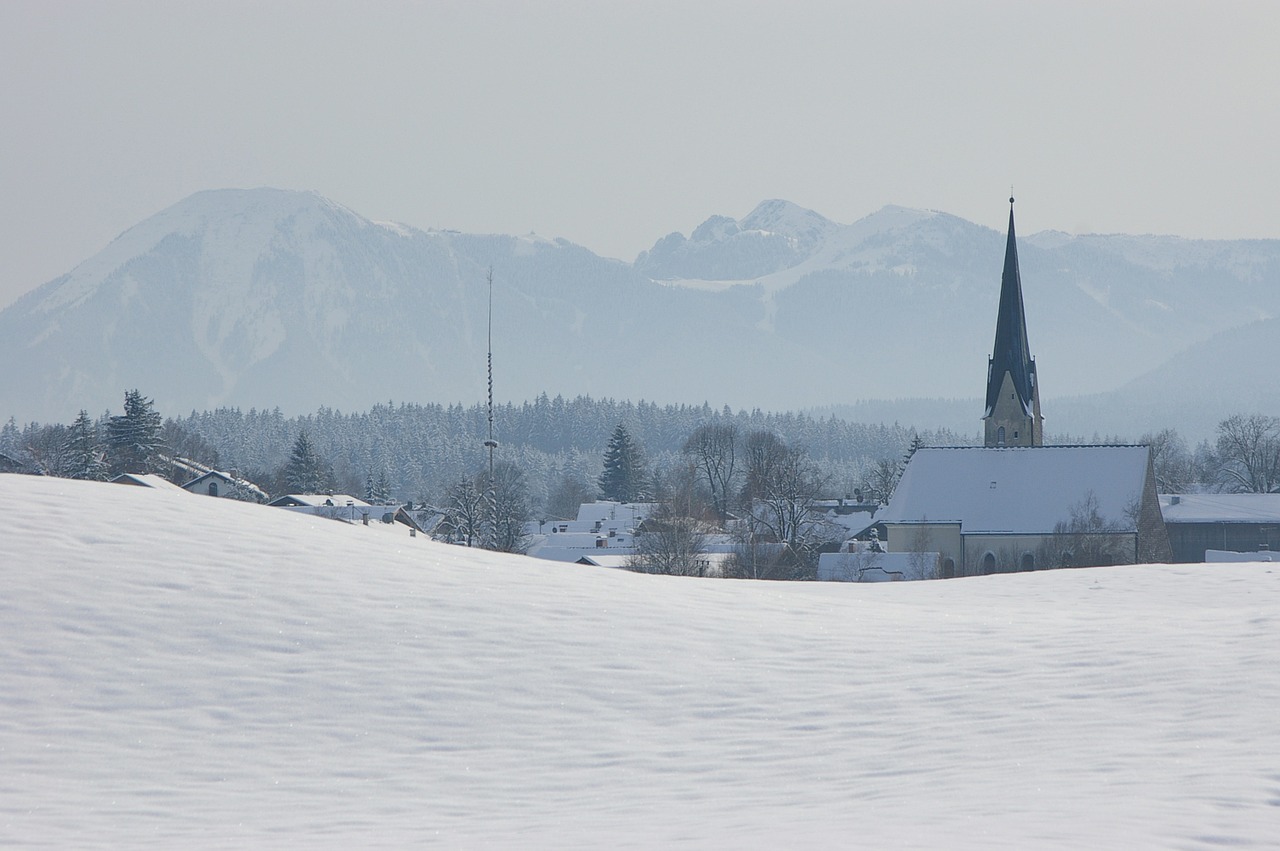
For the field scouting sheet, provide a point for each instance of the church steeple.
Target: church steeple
(1013, 396)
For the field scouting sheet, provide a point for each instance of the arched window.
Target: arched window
(1027, 562)
(1000, 435)
(213, 488)
(989, 563)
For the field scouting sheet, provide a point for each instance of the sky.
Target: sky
(613, 124)
(251, 677)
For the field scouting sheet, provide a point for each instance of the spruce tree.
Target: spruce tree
(377, 492)
(133, 439)
(86, 456)
(306, 471)
(623, 479)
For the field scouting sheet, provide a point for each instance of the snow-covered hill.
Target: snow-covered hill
(182, 671)
(266, 298)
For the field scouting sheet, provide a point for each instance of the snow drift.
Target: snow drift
(178, 670)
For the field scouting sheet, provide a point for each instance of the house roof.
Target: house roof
(318, 500)
(1018, 490)
(1221, 508)
(212, 474)
(1010, 352)
(605, 511)
(146, 480)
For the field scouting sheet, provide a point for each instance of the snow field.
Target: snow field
(182, 670)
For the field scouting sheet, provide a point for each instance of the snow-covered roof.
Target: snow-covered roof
(1221, 508)
(604, 511)
(570, 546)
(147, 480)
(1228, 556)
(319, 500)
(1024, 490)
(617, 561)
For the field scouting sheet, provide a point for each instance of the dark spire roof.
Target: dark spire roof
(1011, 353)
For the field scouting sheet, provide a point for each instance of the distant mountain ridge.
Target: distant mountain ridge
(265, 298)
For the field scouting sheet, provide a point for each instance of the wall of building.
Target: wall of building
(1188, 541)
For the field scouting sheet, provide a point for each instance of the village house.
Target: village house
(604, 535)
(602, 529)
(350, 509)
(217, 483)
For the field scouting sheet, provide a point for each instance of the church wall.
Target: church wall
(1047, 552)
(941, 538)
(1153, 534)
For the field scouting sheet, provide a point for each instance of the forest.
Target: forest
(419, 452)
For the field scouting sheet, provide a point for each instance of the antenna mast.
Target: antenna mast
(491, 444)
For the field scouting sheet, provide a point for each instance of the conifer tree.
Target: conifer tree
(624, 478)
(86, 456)
(133, 438)
(377, 491)
(306, 471)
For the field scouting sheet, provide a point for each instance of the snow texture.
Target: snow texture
(180, 671)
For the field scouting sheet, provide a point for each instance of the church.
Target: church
(1015, 504)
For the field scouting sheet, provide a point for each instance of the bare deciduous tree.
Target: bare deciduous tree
(1248, 453)
(714, 450)
(464, 510)
(509, 510)
(881, 480)
(1087, 539)
(782, 488)
(1171, 460)
(670, 544)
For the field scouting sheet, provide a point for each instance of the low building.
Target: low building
(867, 561)
(1231, 522)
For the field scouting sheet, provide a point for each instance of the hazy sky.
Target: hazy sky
(612, 124)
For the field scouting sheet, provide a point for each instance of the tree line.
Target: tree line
(705, 466)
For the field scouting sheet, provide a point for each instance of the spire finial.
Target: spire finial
(1010, 194)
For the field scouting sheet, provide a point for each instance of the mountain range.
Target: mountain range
(274, 298)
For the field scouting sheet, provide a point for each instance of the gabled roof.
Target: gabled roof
(1019, 490)
(212, 474)
(13, 465)
(606, 510)
(1011, 353)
